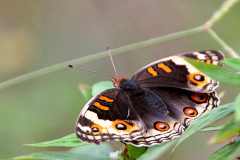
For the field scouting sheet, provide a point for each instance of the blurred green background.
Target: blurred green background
(36, 34)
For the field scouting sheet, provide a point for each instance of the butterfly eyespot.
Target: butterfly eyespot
(199, 77)
(95, 129)
(161, 126)
(199, 97)
(190, 111)
(121, 126)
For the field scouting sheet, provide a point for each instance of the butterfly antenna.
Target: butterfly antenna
(112, 61)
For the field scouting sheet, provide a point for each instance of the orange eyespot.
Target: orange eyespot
(199, 97)
(121, 126)
(197, 79)
(124, 125)
(190, 111)
(95, 129)
(161, 126)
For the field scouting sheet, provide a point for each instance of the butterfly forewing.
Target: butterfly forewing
(176, 72)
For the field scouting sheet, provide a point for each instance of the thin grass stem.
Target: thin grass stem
(226, 6)
(223, 44)
(89, 58)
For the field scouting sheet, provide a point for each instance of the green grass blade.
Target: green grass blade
(67, 141)
(205, 120)
(233, 63)
(237, 108)
(72, 141)
(222, 74)
(214, 128)
(226, 152)
(229, 131)
(90, 151)
(156, 151)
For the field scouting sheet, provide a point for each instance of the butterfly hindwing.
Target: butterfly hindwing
(183, 107)
(108, 116)
(176, 72)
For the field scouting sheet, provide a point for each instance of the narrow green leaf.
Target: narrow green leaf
(221, 74)
(67, 141)
(230, 130)
(156, 151)
(101, 86)
(90, 151)
(214, 128)
(233, 63)
(226, 152)
(237, 108)
(205, 120)
(72, 141)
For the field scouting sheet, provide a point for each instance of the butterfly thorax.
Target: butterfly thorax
(130, 86)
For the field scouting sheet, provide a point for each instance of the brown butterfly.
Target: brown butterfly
(155, 105)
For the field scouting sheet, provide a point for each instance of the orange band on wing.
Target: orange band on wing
(102, 107)
(106, 99)
(164, 67)
(151, 71)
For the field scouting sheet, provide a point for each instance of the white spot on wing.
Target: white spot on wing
(94, 118)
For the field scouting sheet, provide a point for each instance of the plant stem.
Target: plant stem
(220, 13)
(85, 59)
(224, 45)
(207, 26)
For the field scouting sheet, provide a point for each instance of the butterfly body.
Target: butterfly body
(156, 105)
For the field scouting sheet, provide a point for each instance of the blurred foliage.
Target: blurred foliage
(227, 152)
(35, 34)
(90, 151)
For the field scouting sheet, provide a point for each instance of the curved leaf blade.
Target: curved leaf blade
(226, 152)
(237, 108)
(90, 151)
(229, 131)
(233, 63)
(70, 140)
(221, 74)
(205, 120)
(156, 151)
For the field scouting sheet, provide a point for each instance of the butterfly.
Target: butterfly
(155, 105)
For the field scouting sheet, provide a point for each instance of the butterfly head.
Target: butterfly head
(125, 84)
(117, 80)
